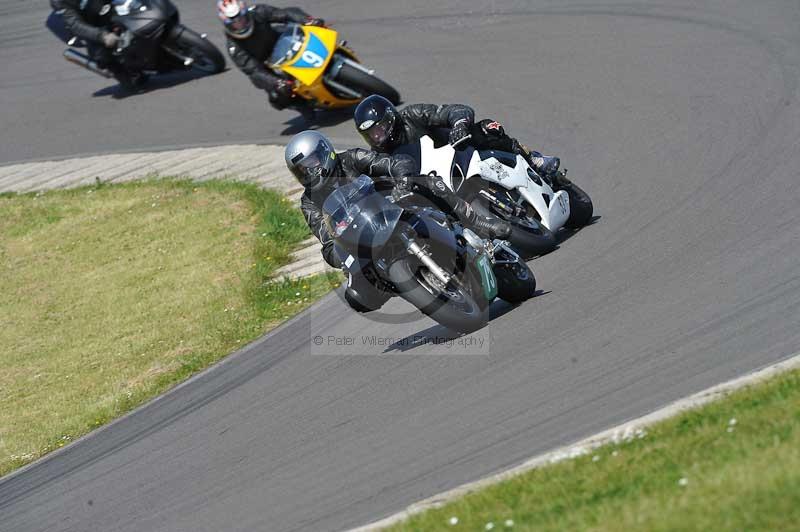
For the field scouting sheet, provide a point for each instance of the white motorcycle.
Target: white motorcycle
(503, 185)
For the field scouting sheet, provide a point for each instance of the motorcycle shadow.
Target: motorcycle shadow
(437, 334)
(319, 119)
(565, 234)
(154, 83)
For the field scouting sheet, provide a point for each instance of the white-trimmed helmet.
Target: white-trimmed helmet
(235, 16)
(310, 156)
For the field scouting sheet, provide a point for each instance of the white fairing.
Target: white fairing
(437, 160)
(554, 212)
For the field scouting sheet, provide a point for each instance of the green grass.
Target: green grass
(739, 475)
(110, 295)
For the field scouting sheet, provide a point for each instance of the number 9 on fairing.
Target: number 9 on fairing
(313, 59)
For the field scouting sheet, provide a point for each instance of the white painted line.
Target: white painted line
(623, 432)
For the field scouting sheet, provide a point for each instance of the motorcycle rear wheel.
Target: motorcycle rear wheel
(455, 307)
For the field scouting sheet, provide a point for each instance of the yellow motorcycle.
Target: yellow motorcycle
(326, 71)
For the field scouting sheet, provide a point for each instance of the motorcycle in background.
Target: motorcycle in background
(326, 72)
(152, 40)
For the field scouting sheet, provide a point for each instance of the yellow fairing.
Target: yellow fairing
(309, 75)
(311, 86)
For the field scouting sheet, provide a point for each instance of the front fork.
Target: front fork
(510, 208)
(425, 258)
(332, 73)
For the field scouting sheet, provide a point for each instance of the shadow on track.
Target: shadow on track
(439, 333)
(316, 120)
(565, 234)
(155, 83)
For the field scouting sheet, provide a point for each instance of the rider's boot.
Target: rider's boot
(544, 165)
(486, 227)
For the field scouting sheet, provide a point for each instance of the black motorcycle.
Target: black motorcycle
(152, 39)
(401, 247)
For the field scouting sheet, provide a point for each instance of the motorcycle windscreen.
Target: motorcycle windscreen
(287, 46)
(360, 218)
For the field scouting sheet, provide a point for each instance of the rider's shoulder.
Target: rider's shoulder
(260, 11)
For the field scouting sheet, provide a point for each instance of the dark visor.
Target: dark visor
(380, 132)
(239, 23)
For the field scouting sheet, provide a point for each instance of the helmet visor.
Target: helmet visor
(379, 133)
(315, 166)
(240, 23)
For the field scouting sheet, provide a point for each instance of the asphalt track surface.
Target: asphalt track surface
(680, 118)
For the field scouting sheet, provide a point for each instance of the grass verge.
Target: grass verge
(731, 465)
(110, 295)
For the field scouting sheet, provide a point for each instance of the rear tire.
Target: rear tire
(464, 316)
(207, 58)
(528, 237)
(366, 84)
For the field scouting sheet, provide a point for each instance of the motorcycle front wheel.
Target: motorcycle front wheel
(528, 236)
(453, 305)
(515, 282)
(580, 206)
(366, 84)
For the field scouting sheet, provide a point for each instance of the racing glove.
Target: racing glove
(311, 21)
(459, 132)
(262, 80)
(109, 39)
(437, 186)
(281, 93)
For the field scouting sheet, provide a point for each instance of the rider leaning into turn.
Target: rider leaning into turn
(385, 129)
(88, 20)
(251, 39)
(310, 156)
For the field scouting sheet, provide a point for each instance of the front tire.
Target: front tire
(366, 84)
(207, 58)
(515, 282)
(528, 236)
(580, 207)
(457, 310)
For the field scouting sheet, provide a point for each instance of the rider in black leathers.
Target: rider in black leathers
(349, 164)
(88, 20)
(310, 156)
(385, 129)
(398, 169)
(250, 46)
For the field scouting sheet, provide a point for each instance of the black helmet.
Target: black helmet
(379, 123)
(311, 158)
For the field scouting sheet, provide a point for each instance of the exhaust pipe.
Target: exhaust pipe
(81, 60)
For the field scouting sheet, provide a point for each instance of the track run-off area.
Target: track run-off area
(681, 120)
